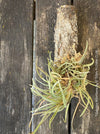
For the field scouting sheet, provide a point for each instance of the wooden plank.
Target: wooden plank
(46, 12)
(16, 65)
(89, 29)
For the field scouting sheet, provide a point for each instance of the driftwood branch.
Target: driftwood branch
(65, 31)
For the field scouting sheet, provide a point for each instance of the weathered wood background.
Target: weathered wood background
(16, 42)
(16, 65)
(88, 12)
(46, 14)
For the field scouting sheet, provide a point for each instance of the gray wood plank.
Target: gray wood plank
(46, 12)
(89, 29)
(16, 65)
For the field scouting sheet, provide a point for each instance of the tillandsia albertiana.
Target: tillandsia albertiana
(66, 79)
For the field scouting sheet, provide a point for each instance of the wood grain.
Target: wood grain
(66, 38)
(46, 13)
(89, 29)
(16, 65)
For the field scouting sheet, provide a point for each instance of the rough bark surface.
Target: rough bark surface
(66, 37)
(65, 31)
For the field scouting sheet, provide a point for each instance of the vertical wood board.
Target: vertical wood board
(89, 29)
(16, 65)
(46, 13)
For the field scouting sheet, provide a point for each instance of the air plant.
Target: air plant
(66, 79)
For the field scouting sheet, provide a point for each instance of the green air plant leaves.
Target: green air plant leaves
(66, 79)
